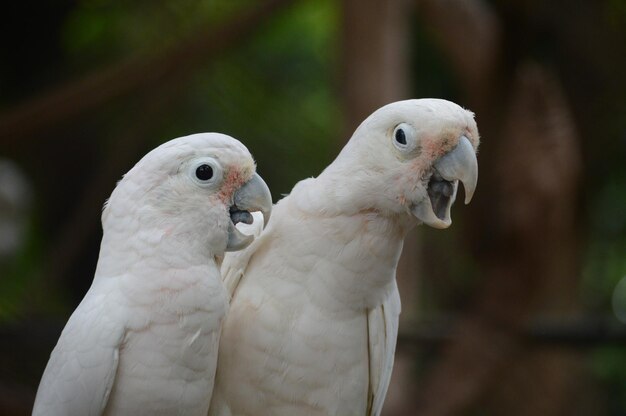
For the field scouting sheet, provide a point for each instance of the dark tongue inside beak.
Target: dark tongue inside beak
(237, 215)
(440, 191)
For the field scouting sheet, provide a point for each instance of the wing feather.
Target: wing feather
(82, 367)
(382, 331)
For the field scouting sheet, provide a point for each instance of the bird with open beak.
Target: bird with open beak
(313, 321)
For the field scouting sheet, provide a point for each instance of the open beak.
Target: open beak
(253, 196)
(458, 165)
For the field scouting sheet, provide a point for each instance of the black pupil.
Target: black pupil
(400, 137)
(204, 172)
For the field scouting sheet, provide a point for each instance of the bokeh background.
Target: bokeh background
(518, 309)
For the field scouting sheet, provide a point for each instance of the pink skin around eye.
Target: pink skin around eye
(431, 149)
(235, 178)
(435, 147)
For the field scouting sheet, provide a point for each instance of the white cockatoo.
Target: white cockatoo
(144, 339)
(313, 321)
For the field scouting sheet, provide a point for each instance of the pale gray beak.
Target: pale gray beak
(253, 196)
(460, 164)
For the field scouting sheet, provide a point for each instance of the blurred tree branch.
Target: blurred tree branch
(545, 330)
(176, 63)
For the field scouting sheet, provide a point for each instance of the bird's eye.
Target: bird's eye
(405, 139)
(204, 172)
(400, 136)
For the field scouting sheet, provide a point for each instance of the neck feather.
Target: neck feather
(354, 252)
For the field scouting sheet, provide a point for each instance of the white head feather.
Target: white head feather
(374, 172)
(161, 201)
